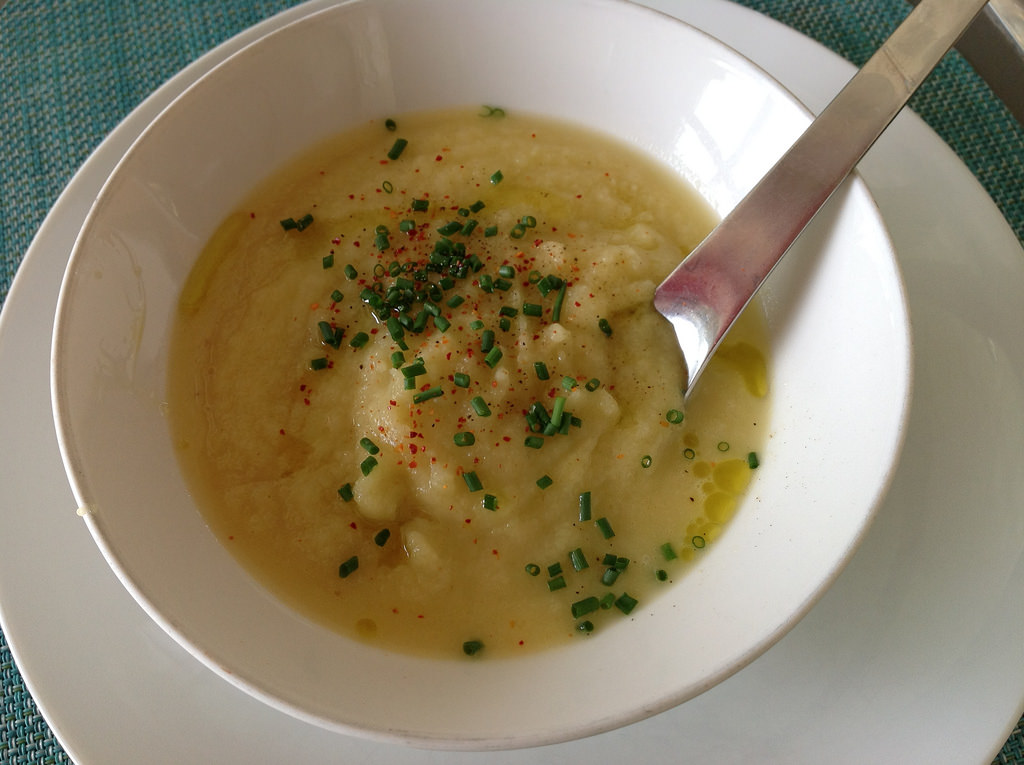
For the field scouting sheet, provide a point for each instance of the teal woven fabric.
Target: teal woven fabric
(72, 69)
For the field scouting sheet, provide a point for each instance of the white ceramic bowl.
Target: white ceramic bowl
(839, 335)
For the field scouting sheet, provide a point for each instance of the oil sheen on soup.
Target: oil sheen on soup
(419, 390)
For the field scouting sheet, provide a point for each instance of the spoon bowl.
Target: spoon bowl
(705, 294)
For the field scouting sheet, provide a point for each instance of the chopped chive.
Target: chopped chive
(304, 222)
(461, 379)
(568, 383)
(532, 309)
(477, 206)
(388, 187)
(645, 461)
(541, 369)
(668, 552)
(490, 502)
(518, 231)
(472, 481)
(381, 537)
(336, 296)
(359, 340)
(406, 225)
(661, 575)
(487, 340)
(674, 416)
(472, 647)
(480, 406)
(390, 124)
(592, 384)
(626, 603)
(607, 600)
(470, 227)
(395, 329)
(532, 568)
(345, 492)
(585, 626)
(350, 271)
(585, 606)
(414, 369)
(450, 228)
(752, 461)
(317, 364)
(427, 394)
(604, 326)
(491, 231)
(369, 446)
(493, 357)
(507, 310)
(585, 506)
(420, 205)
(698, 542)
(397, 359)
(486, 283)
(506, 271)
(476, 324)
(329, 335)
(464, 438)
(528, 220)
(609, 576)
(556, 310)
(455, 301)
(496, 177)
(558, 583)
(288, 224)
(502, 285)
(555, 569)
(578, 559)
(534, 442)
(723, 446)
(328, 261)
(504, 324)
(348, 566)
(621, 564)
(441, 323)
(367, 465)
(381, 241)
(689, 453)
(557, 411)
(397, 148)
(605, 527)
(545, 481)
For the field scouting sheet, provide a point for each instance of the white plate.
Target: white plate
(917, 650)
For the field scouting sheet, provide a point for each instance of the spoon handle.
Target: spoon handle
(704, 294)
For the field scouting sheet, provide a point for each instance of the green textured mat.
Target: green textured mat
(52, 115)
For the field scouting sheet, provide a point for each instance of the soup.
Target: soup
(419, 389)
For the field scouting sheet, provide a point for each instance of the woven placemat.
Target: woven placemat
(54, 52)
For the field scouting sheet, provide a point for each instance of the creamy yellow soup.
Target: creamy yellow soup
(419, 389)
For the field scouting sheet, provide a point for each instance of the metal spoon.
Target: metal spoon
(704, 294)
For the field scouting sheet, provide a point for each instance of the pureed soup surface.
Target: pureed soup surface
(419, 388)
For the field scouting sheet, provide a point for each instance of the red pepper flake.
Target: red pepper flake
(438, 158)
(353, 525)
(412, 464)
(469, 520)
(252, 215)
(281, 431)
